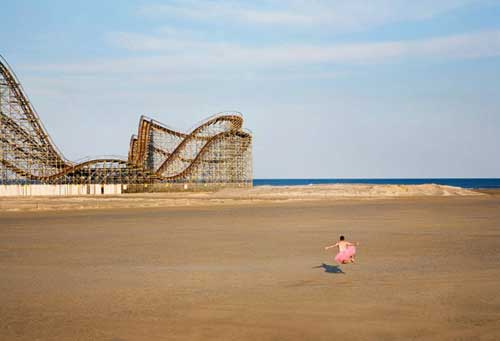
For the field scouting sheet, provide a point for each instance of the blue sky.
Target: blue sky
(379, 88)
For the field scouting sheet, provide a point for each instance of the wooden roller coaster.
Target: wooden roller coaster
(218, 151)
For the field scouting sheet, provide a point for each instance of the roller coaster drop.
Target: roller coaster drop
(217, 152)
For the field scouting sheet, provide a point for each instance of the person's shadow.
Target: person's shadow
(331, 269)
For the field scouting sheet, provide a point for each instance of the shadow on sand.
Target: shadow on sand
(332, 269)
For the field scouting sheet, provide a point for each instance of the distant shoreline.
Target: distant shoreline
(467, 183)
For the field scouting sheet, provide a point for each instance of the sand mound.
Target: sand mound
(344, 190)
(231, 196)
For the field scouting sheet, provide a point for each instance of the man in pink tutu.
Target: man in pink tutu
(347, 251)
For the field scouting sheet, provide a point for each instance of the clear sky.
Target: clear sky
(333, 88)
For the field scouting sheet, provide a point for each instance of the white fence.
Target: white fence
(59, 190)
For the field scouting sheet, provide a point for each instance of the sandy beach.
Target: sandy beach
(428, 268)
(231, 196)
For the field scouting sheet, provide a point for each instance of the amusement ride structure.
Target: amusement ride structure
(218, 151)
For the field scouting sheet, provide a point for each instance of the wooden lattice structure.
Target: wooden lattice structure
(218, 151)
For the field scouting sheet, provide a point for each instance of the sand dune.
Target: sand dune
(233, 196)
(345, 190)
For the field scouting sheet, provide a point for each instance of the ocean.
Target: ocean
(470, 183)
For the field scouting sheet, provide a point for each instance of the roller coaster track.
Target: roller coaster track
(10, 123)
(24, 141)
(139, 143)
(217, 149)
(202, 138)
(180, 148)
(213, 140)
(113, 163)
(14, 86)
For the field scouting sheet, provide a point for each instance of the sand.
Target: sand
(260, 194)
(428, 269)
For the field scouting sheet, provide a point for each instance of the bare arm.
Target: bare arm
(330, 246)
(352, 243)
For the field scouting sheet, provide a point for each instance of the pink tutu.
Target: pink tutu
(345, 256)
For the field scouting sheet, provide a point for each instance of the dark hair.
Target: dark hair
(341, 237)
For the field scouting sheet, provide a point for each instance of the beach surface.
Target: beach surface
(428, 269)
(232, 196)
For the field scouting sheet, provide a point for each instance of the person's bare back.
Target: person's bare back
(347, 251)
(342, 245)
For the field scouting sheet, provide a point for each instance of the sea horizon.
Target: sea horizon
(471, 183)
